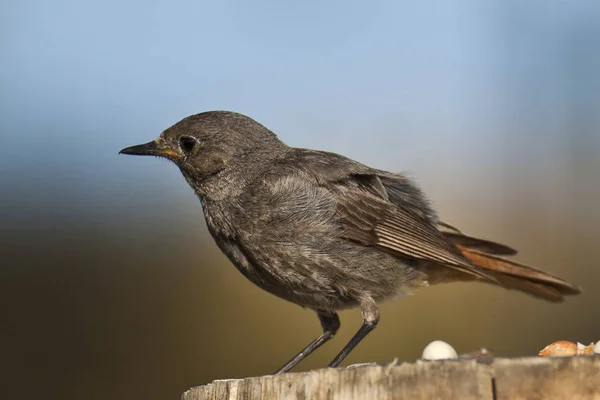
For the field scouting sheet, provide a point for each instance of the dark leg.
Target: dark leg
(370, 314)
(330, 323)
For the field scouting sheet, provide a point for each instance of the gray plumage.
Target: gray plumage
(323, 231)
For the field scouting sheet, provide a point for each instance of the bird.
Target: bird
(325, 232)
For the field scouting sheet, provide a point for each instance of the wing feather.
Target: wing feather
(367, 216)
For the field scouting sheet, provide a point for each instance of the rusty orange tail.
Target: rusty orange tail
(513, 275)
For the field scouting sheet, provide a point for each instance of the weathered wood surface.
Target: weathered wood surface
(521, 378)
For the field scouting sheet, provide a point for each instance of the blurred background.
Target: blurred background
(112, 288)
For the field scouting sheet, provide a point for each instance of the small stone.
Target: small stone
(438, 350)
(478, 354)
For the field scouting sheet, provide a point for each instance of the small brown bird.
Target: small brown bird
(326, 232)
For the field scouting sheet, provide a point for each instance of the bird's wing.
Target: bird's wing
(403, 192)
(371, 207)
(367, 216)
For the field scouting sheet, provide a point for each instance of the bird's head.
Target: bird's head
(212, 144)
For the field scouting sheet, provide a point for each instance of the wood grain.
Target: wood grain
(495, 379)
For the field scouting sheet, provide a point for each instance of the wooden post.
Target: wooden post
(494, 379)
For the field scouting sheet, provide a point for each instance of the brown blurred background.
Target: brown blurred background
(110, 285)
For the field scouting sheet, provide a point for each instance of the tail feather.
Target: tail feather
(535, 289)
(482, 245)
(513, 275)
(458, 238)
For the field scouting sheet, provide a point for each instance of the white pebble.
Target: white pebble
(597, 347)
(438, 350)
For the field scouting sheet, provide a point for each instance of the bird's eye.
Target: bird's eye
(187, 143)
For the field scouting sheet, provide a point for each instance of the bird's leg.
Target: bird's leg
(370, 315)
(330, 323)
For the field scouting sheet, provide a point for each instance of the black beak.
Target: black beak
(149, 149)
(146, 149)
